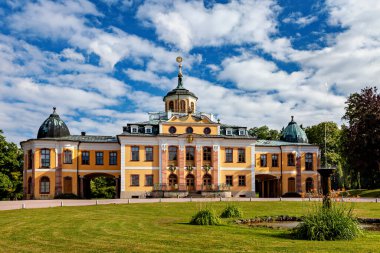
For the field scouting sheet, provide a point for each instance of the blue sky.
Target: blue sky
(106, 63)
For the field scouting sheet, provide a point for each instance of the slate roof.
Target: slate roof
(271, 143)
(81, 138)
(53, 126)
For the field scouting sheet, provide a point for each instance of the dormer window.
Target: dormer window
(148, 129)
(241, 131)
(134, 129)
(228, 131)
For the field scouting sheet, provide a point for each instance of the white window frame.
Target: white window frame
(148, 129)
(241, 131)
(134, 129)
(229, 131)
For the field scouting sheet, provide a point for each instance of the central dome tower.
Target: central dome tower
(53, 127)
(180, 99)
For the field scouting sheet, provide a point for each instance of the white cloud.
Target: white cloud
(188, 24)
(298, 19)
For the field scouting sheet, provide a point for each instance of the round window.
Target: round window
(207, 130)
(172, 130)
(189, 130)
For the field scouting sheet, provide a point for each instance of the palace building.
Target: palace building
(176, 153)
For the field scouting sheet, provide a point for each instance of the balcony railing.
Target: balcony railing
(184, 187)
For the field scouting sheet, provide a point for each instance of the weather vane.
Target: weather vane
(179, 60)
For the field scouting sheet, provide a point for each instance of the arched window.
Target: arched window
(29, 190)
(44, 185)
(207, 179)
(173, 180)
(309, 161)
(182, 106)
(68, 185)
(309, 184)
(172, 153)
(291, 184)
(291, 160)
(171, 106)
(190, 179)
(192, 106)
(45, 158)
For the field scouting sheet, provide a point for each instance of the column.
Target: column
(298, 176)
(181, 167)
(117, 187)
(58, 171)
(198, 168)
(164, 164)
(32, 192)
(81, 182)
(215, 167)
(253, 172)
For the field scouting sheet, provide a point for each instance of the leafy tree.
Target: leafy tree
(11, 164)
(362, 137)
(103, 187)
(264, 133)
(316, 135)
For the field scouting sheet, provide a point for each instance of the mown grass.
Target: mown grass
(363, 193)
(163, 227)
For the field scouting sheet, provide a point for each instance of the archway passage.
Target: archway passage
(100, 185)
(267, 186)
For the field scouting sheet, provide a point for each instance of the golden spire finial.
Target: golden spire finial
(179, 60)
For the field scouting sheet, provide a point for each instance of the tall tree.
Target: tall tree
(332, 153)
(362, 136)
(264, 133)
(11, 164)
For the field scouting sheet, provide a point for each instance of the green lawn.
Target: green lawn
(363, 193)
(162, 227)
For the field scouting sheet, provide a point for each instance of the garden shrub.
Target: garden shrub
(328, 224)
(232, 211)
(205, 217)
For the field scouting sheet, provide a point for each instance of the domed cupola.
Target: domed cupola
(180, 99)
(53, 127)
(294, 133)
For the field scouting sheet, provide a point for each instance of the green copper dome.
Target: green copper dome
(294, 133)
(53, 127)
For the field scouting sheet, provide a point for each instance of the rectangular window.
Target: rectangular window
(309, 161)
(99, 158)
(206, 154)
(45, 158)
(113, 158)
(229, 155)
(85, 157)
(135, 180)
(68, 157)
(263, 160)
(148, 154)
(135, 153)
(291, 160)
(172, 153)
(148, 180)
(274, 160)
(30, 159)
(241, 155)
(242, 181)
(190, 153)
(229, 180)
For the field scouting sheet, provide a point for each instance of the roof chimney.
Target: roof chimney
(83, 133)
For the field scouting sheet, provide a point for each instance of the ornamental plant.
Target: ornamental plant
(205, 217)
(231, 211)
(328, 224)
